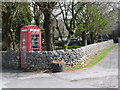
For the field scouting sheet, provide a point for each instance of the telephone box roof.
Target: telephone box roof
(30, 27)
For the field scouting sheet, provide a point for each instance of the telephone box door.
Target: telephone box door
(23, 51)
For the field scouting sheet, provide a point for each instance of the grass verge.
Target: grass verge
(92, 61)
(69, 47)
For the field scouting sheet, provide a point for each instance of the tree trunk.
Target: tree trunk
(46, 26)
(37, 22)
(84, 38)
(66, 44)
(53, 39)
(92, 39)
(101, 38)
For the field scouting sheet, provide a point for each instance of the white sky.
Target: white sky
(56, 11)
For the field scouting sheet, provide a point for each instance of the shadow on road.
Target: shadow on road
(12, 70)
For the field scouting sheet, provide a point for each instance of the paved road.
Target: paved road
(103, 75)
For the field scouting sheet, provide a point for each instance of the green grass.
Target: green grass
(69, 47)
(73, 47)
(93, 60)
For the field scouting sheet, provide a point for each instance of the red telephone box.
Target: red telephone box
(30, 40)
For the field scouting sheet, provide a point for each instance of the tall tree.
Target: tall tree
(46, 8)
(110, 11)
(97, 24)
(14, 15)
(24, 17)
(37, 14)
(69, 12)
(90, 23)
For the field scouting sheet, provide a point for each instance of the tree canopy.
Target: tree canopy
(85, 21)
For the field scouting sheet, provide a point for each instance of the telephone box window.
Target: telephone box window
(35, 35)
(35, 49)
(23, 37)
(35, 46)
(35, 39)
(35, 43)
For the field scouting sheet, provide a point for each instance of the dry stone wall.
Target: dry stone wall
(41, 59)
(11, 59)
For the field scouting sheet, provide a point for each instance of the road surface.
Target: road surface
(102, 75)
